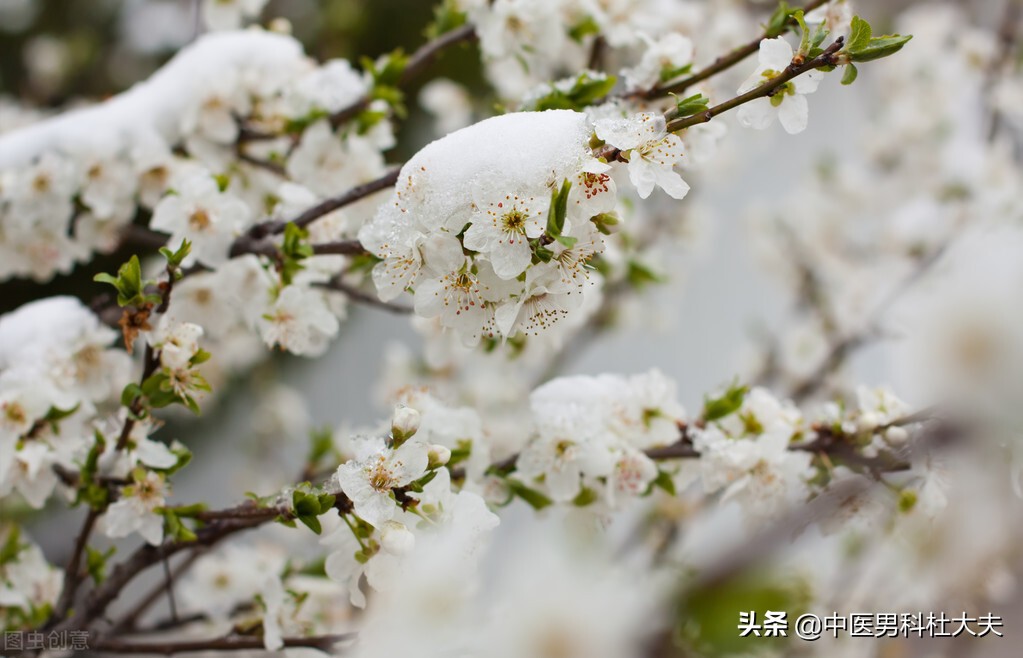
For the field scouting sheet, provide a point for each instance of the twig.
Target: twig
(231, 643)
(356, 295)
(417, 63)
(146, 556)
(841, 349)
(129, 621)
(721, 63)
(72, 574)
(826, 58)
(1008, 38)
(251, 242)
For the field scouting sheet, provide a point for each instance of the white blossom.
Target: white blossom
(200, 213)
(651, 150)
(135, 511)
(788, 103)
(376, 470)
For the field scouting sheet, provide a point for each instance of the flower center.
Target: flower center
(199, 220)
(514, 221)
(41, 183)
(15, 413)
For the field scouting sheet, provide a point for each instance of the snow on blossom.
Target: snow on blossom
(652, 152)
(329, 88)
(788, 104)
(90, 167)
(230, 14)
(376, 470)
(594, 427)
(492, 183)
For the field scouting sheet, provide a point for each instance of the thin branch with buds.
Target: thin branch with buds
(769, 88)
(721, 64)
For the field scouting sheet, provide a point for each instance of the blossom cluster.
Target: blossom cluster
(494, 226)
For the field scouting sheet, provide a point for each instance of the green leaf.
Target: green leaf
(128, 282)
(175, 528)
(691, 105)
(534, 498)
(586, 89)
(859, 34)
(567, 241)
(586, 496)
(670, 73)
(639, 275)
(558, 210)
(804, 43)
(12, 545)
(299, 124)
(862, 46)
(880, 47)
(305, 504)
(461, 452)
(725, 405)
(446, 17)
(779, 20)
(96, 562)
(130, 393)
(583, 29)
(175, 258)
(321, 444)
(294, 249)
(850, 74)
(606, 222)
(312, 523)
(664, 481)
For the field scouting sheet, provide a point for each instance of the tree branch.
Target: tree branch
(356, 295)
(826, 58)
(72, 573)
(417, 63)
(231, 643)
(721, 64)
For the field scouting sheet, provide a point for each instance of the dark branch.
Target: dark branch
(721, 63)
(233, 643)
(826, 58)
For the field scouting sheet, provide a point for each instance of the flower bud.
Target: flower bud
(869, 420)
(439, 455)
(896, 435)
(281, 26)
(404, 424)
(396, 539)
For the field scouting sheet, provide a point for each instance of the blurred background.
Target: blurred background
(710, 318)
